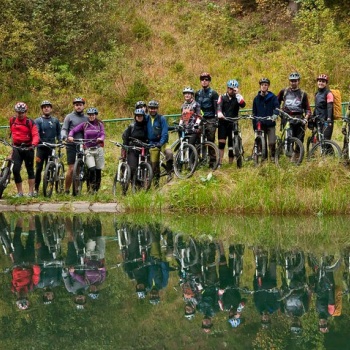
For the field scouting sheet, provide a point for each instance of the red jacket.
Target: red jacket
(24, 131)
(23, 279)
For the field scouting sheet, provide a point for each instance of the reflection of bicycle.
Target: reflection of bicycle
(6, 168)
(51, 236)
(261, 261)
(346, 273)
(123, 241)
(320, 147)
(236, 253)
(186, 158)
(293, 263)
(54, 174)
(5, 237)
(144, 241)
(186, 252)
(123, 173)
(321, 266)
(288, 147)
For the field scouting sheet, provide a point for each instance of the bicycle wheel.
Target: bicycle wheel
(124, 180)
(259, 150)
(185, 161)
(144, 178)
(78, 177)
(208, 155)
(238, 149)
(49, 179)
(4, 179)
(294, 153)
(60, 178)
(323, 150)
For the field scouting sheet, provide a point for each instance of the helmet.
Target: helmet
(188, 90)
(93, 296)
(141, 294)
(264, 81)
(232, 84)
(78, 100)
(139, 111)
(190, 316)
(92, 110)
(140, 104)
(205, 75)
(22, 304)
(21, 107)
(153, 104)
(323, 77)
(154, 301)
(234, 322)
(46, 103)
(294, 76)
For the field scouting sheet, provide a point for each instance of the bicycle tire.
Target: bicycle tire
(208, 155)
(60, 176)
(238, 150)
(259, 150)
(292, 267)
(291, 157)
(78, 177)
(332, 151)
(49, 179)
(125, 175)
(4, 180)
(144, 180)
(185, 168)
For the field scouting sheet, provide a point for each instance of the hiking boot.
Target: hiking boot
(18, 195)
(295, 157)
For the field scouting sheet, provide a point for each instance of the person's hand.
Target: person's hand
(220, 115)
(239, 98)
(329, 121)
(343, 131)
(331, 309)
(70, 139)
(99, 139)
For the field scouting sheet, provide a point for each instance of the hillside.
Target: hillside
(115, 52)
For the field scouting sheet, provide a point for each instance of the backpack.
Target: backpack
(337, 107)
(29, 123)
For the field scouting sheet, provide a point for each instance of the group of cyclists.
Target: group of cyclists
(149, 126)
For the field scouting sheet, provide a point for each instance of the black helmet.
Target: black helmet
(153, 104)
(264, 81)
(205, 75)
(45, 103)
(140, 104)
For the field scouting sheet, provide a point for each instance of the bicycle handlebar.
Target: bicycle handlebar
(52, 145)
(289, 117)
(22, 147)
(142, 144)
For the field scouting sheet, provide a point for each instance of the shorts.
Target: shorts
(71, 153)
(95, 157)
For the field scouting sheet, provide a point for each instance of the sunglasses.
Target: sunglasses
(205, 79)
(293, 81)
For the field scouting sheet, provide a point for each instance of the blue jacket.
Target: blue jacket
(264, 106)
(157, 132)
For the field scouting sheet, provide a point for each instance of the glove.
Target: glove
(195, 126)
(239, 98)
(304, 121)
(274, 116)
(158, 145)
(343, 131)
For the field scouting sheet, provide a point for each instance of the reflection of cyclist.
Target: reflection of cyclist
(190, 115)
(266, 295)
(136, 130)
(264, 105)
(228, 106)
(25, 274)
(295, 102)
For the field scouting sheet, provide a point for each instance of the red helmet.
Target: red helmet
(323, 77)
(205, 75)
(21, 107)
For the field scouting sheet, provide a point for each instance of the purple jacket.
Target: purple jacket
(92, 131)
(95, 276)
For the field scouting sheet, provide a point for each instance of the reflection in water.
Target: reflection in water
(196, 284)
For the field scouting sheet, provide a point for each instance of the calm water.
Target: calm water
(118, 282)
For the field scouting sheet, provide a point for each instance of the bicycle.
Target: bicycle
(236, 252)
(52, 236)
(208, 152)
(7, 167)
(80, 171)
(237, 143)
(123, 172)
(323, 265)
(54, 174)
(286, 144)
(186, 158)
(346, 144)
(144, 173)
(321, 148)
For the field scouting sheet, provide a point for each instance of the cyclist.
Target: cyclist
(49, 131)
(264, 105)
(295, 102)
(94, 132)
(136, 130)
(208, 99)
(324, 100)
(157, 134)
(190, 115)
(228, 106)
(25, 274)
(71, 121)
(24, 133)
